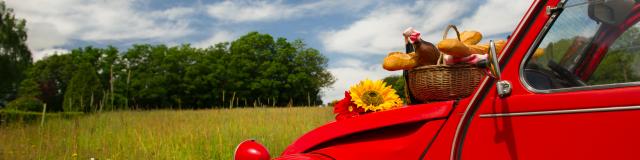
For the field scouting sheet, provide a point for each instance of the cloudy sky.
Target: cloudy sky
(354, 35)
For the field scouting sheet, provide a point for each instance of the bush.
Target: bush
(9, 115)
(26, 104)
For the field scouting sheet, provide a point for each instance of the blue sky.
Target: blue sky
(354, 35)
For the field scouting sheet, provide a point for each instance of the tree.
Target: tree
(48, 79)
(309, 71)
(266, 70)
(147, 78)
(84, 90)
(255, 68)
(397, 83)
(621, 63)
(15, 56)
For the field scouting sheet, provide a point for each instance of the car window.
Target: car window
(571, 53)
(622, 62)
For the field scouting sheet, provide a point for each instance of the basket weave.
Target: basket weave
(443, 82)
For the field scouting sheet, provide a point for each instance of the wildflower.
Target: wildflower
(374, 96)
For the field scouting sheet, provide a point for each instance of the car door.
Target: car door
(578, 97)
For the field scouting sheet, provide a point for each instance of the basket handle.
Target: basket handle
(440, 59)
(444, 36)
(446, 31)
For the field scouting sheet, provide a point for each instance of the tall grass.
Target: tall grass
(160, 134)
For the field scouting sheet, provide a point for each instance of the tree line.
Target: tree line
(254, 70)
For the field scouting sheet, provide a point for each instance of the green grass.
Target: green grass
(160, 134)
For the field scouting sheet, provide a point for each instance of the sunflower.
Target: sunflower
(374, 96)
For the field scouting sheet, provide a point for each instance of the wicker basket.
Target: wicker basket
(443, 82)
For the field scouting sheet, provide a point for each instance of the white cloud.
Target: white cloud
(251, 11)
(40, 54)
(41, 35)
(54, 23)
(380, 32)
(351, 63)
(350, 72)
(240, 12)
(497, 16)
(217, 37)
(174, 13)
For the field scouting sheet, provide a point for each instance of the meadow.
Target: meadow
(159, 134)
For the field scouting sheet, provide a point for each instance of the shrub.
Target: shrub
(10, 115)
(27, 103)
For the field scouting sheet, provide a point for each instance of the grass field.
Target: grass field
(160, 134)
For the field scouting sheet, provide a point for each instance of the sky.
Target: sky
(354, 35)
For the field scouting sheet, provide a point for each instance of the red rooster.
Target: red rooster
(426, 52)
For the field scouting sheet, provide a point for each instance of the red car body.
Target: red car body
(589, 122)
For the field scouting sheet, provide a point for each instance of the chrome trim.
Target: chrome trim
(464, 115)
(551, 10)
(494, 65)
(482, 85)
(584, 88)
(504, 88)
(532, 49)
(553, 112)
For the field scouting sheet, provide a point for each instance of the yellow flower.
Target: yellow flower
(374, 96)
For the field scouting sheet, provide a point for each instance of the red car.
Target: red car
(577, 99)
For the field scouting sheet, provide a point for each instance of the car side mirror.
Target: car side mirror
(503, 86)
(610, 12)
(492, 65)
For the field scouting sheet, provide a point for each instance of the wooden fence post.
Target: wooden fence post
(222, 99)
(91, 106)
(111, 80)
(232, 98)
(44, 111)
(308, 100)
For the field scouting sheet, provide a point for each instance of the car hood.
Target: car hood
(371, 121)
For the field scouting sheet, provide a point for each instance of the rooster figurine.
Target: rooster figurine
(425, 53)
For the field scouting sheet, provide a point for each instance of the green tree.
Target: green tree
(47, 80)
(84, 90)
(15, 56)
(264, 69)
(256, 68)
(144, 77)
(397, 83)
(621, 63)
(309, 72)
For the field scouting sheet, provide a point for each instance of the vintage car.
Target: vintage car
(578, 99)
